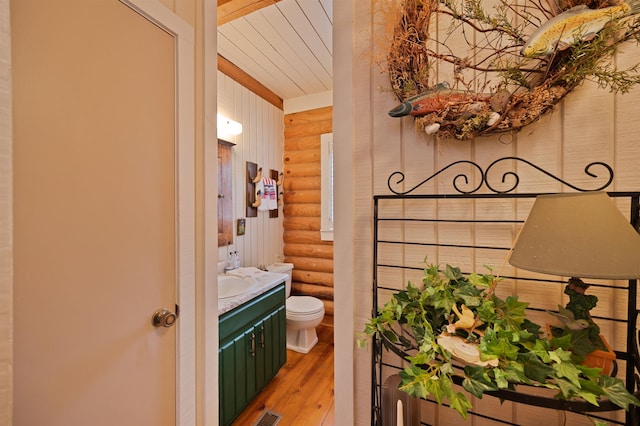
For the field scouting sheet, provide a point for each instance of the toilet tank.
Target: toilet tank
(283, 268)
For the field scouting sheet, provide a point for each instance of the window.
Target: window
(326, 204)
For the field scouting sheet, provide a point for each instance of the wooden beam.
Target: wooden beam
(231, 70)
(228, 10)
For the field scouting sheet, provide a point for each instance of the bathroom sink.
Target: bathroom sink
(230, 286)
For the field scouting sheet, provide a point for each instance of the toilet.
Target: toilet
(304, 314)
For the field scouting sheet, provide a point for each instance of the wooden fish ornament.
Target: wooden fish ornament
(433, 100)
(572, 26)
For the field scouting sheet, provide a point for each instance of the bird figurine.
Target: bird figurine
(466, 318)
(568, 319)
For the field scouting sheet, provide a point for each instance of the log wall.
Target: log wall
(312, 258)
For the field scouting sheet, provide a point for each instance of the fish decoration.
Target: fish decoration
(433, 100)
(579, 23)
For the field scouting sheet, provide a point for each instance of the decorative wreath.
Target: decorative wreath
(506, 65)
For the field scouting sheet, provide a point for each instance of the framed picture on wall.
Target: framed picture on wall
(241, 226)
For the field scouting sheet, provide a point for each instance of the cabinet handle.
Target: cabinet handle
(262, 336)
(253, 345)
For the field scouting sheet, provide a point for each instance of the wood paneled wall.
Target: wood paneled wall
(590, 124)
(261, 142)
(312, 258)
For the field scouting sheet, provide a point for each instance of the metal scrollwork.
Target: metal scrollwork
(510, 177)
(455, 179)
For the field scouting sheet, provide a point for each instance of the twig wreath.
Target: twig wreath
(509, 63)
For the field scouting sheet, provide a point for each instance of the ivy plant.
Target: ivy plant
(511, 348)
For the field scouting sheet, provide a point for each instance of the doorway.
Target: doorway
(100, 236)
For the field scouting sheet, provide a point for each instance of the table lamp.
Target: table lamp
(578, 235)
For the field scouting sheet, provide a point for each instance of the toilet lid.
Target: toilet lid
(304, 305)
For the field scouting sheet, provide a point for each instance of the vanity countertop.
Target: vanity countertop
(266, 281)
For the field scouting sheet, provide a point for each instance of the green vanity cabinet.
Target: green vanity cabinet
(253, 347)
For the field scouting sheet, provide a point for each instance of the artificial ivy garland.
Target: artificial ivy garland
(511, 349)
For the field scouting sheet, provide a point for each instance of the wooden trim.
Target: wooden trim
(184, 58)
(7, 244)
(228, 10)
(227, 67)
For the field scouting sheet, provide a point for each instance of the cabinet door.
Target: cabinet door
(227, 382)
(272, 349)
(262, 353)
(236, 363)
(276, 338)
(250, 354)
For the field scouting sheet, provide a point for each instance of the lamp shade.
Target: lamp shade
(578, 235)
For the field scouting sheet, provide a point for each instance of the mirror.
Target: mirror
(225, 194)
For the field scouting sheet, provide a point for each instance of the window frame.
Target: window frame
(326, 187)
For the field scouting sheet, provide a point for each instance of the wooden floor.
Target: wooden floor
(302, 391)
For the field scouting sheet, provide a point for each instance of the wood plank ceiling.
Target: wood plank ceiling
(285, 45)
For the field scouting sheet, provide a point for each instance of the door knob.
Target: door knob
(164, 318)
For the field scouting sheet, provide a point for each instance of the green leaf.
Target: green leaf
(616, 392)
(514, 372)
(447, 368)
(534, 368)
(481, 280)
(477, 381)
(487, 312)
(501, 378)
(494, 345)
(589, 397)
(564, 367)
(532, 328)
(589, 372)
(581, 344)
(445, 302)
(453, 273)
(541, 349)
(512, 313)
(414, 381)
(591, 386)
(431, 274)
(567, 388)
(438, 388)
(560, 355)
(469, 294)
(563, 342)
(460, 403)
(390, 335)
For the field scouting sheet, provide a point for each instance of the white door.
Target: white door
(95, 214)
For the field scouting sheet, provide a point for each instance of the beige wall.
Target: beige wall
(590, 125)
(261, 142)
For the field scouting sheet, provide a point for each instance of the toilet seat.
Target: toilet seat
(304, 305)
